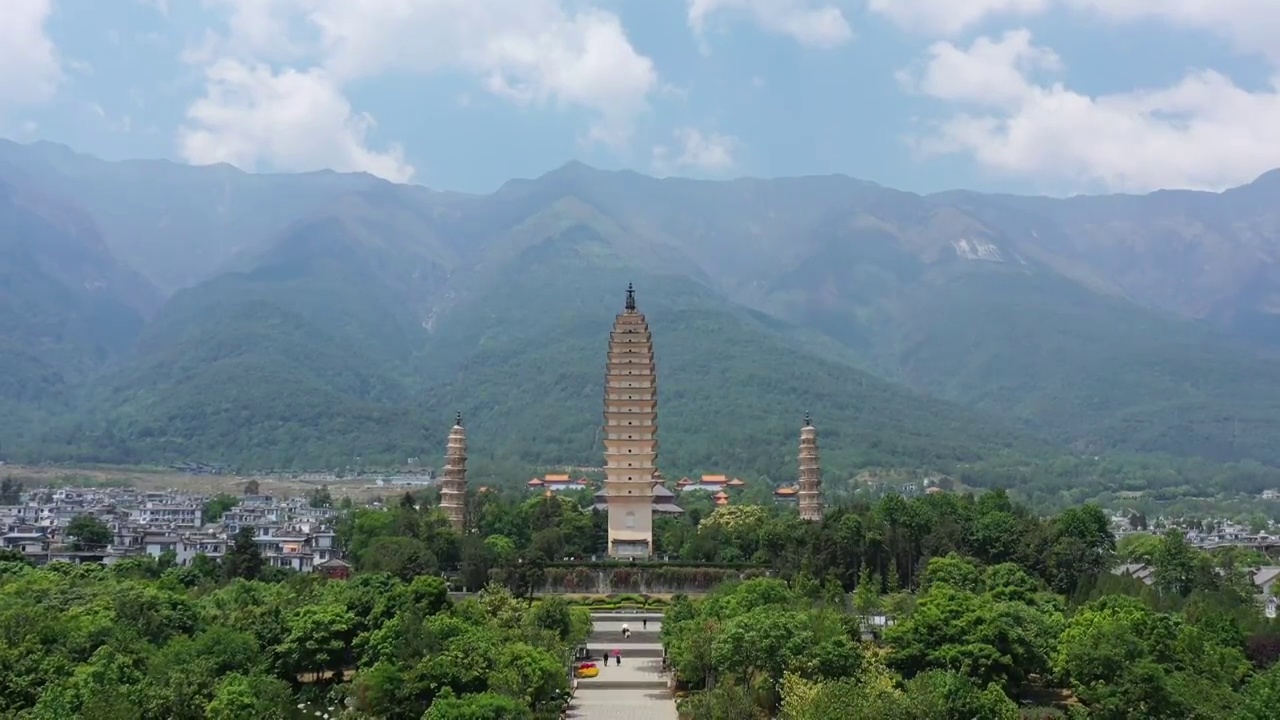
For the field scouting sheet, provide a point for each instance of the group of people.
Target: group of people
(626, 635)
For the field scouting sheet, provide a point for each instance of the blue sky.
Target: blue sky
(1053, 96)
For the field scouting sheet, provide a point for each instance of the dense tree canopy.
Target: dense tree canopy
(942, 606)
(989, 610)
(138, 641)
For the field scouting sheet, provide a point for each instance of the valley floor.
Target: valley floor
(153, 479)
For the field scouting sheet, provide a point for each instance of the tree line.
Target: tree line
(958, 607)
(945, 605)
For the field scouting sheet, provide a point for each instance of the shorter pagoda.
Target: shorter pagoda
(453, 480)
(809, 486)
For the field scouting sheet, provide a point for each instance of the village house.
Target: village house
(289, 532)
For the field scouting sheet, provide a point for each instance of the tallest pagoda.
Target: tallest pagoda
(630, 433)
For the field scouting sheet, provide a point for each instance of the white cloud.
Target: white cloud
(810, 22)
(293, 120)
(948, 17)
(1203, 132)
(528, 52)
(711, 153)
(1252, 26)
(990, 72)
(30, 70)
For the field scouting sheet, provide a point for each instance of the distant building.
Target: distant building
(557, 482)
(1265, 580)
(334, 569)
(711, 483)
(1137, 571)
(290, 533)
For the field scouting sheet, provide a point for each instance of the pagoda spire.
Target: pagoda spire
(453, 480)
(630, 433)
(810, 479)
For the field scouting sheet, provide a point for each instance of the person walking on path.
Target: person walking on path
(606, 658)
(644, 623)
(617, 657)
(626, 632)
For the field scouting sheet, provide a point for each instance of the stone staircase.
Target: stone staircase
(635, 690)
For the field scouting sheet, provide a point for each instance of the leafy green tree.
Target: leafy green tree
(984, 639)
(1175, 564)
(215, 506)
(526, 575)
(866, 596)
(872, 694)
(240, 696)
(204, 567)
(321, 497)
(553, 615)
(1125, 661)
(504, 550)
(318, 639)
(477, 562)
(950, 695)
(88, 533)
(996, 536)
(1261, 696)
(479, 706)
(1138, 547)
(244, 558)
(954, 570)
(403, 557)
(729, 701)
(10, 491)
(1080, 546)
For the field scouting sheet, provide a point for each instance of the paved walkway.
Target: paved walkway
(636, 690)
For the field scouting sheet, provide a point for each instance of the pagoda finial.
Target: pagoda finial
(631, 297)
(807, 422)
(457, 419)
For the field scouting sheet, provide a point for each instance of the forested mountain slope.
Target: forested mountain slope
(313, 319)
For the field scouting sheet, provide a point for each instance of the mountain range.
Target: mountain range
(157, 312)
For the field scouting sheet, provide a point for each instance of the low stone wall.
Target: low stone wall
(644, 579)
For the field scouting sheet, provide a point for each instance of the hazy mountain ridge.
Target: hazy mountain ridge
(334, 309)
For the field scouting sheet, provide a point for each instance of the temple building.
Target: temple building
(630, 433)
(711, 483)
(787, 495)
(453, 480)
(558, 482)
(809, 485)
